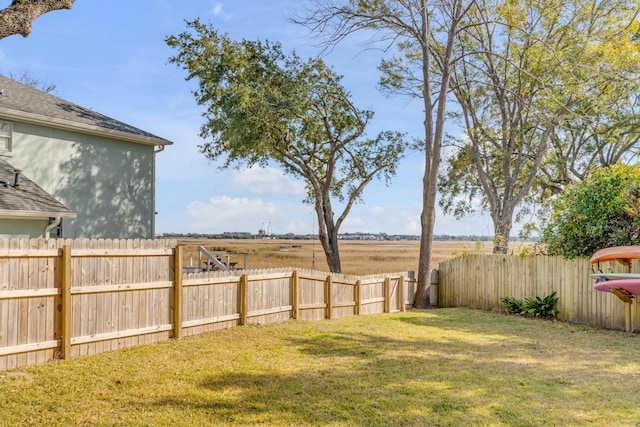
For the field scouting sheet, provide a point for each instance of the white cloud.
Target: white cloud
(397, 220)
(218, 11)
(354, 223)
(401, 220)
(224, 213)
(377, 211)
(182, 162)
(268, 181)
(477, 225)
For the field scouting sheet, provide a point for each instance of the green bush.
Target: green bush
(536, 307)
(513, 305)
(602, 211)
(541, 307)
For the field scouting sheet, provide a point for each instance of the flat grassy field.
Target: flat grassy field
(443, 367)
(358, 257)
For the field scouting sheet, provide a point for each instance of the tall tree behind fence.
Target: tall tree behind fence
(481, 281)
(64, 298)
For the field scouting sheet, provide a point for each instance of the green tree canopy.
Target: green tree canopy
(546, 90)
(600, 212)
(265, 106)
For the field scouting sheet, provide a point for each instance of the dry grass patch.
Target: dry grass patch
(358, 257)
(446, 367)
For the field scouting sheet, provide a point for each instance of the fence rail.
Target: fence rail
(481, 281)
(64, 298)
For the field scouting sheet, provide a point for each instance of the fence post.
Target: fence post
(65, 285)
(433, 287)
(328, 297)
(627, 317)
(411, 286)
(358, 296)
(177, 291)
(387, 295)
(243, 300)
(403, 294)
(294, 285)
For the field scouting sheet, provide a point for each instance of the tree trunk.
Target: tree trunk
(502, 229)
(328, 235)
(333, 255)
(427, 220)
(427, 217)
(434, 133)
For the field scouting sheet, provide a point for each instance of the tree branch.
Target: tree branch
(18, 17)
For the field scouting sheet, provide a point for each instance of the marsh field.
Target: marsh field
(358, 257)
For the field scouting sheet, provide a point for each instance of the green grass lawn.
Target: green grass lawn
(446, 367)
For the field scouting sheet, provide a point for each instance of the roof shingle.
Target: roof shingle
(19, 101)
(26, 199)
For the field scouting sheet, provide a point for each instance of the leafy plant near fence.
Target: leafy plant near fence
(513, 305)
(542, 307)
(537, 307)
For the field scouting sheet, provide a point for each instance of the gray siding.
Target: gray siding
(108, 183)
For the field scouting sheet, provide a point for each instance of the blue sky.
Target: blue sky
(110, 56)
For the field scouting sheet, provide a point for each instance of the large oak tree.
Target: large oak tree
(265, 106)
(528, 71)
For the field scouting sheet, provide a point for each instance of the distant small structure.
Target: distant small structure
(265, 234)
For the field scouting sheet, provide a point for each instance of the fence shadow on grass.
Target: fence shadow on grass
(476, 369)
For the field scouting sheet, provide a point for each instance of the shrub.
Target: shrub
(536, 307)
(513, 305)
(542, 307)
(602, 211)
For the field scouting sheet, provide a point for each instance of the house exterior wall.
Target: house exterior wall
(22, 228)
(107, 182)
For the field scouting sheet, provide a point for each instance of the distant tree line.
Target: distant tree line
(345, 236)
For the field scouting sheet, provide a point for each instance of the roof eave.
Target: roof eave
(9, 214)
(37, 119)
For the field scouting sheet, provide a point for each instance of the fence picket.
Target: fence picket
(481, 281)
(78, 297)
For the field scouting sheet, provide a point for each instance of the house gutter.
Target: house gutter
(54, 224)
(89, 129)
(156, 150)
(11, 214)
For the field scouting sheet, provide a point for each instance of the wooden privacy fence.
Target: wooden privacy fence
(63, 298)
(481, 281)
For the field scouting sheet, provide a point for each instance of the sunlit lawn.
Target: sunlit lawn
(439, 367)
